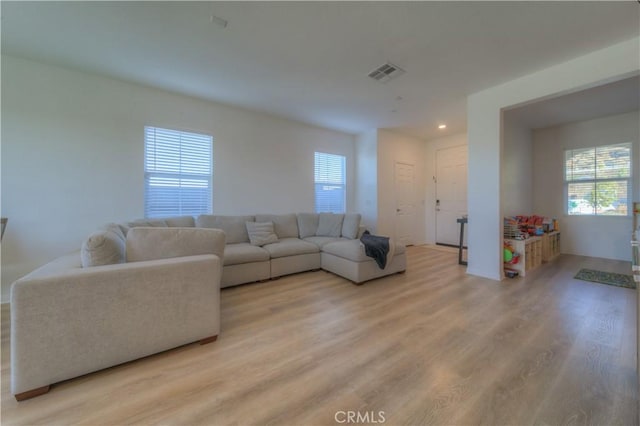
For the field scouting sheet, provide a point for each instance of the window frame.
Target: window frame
(342, 183)
(629, 181)
(180, 175)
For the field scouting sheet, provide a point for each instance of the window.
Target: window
(177, 173)
(598, 180)
(330, 183)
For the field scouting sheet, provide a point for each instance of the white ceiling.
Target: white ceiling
(309, 60)
(608, 99)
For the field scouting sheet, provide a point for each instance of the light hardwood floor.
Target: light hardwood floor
(432, 346)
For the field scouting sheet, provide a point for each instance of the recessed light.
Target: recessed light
(442, 126)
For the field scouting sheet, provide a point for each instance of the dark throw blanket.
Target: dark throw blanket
(376, 247)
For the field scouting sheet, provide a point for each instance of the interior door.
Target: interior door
(451, 193)
(405, 202)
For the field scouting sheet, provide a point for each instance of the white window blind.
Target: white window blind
(177, 173)
(330, 183)
(598, 180)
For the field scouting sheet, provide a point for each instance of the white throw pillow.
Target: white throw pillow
(261, 233)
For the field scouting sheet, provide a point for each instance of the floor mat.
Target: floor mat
(609, 278)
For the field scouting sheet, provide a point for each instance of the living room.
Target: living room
(73, 128)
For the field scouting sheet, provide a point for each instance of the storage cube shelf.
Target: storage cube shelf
(530, 251)
(550, 246)
(533, 251)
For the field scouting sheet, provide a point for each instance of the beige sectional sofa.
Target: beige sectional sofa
(300, 246)
(142, 287)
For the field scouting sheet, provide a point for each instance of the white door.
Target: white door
(405, 203)
(451, 193)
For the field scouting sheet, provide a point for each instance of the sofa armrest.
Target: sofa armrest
(74, 322)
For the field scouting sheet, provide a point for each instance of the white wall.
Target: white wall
(432, 146)
(616, 62)
(72, 157)
(392, 148)
(602, 236)
(366, 198)
(517, 169)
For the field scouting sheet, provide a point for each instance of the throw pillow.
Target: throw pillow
(351, 225)
(329, 225)
(261, 233)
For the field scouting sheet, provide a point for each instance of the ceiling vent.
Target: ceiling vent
(386, 72)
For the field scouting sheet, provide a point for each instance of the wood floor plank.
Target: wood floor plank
(431, 346)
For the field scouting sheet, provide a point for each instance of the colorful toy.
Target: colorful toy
(509, 254)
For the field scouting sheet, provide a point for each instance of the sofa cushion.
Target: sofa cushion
(321, 241)
(105, 247)
(174, 221)
(261, 233)
(235, 254)
(329, 225)
(150, 243)
(353, 250)
(233, 226)
(307, 224)
(290, 247)
(181, 221)
(351, 225)
(161, 223)
(285, 225)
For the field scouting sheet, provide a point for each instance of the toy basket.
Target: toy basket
(511, 228)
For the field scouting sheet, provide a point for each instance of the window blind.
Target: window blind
(598, 180)
(177, 173)
(330, 183)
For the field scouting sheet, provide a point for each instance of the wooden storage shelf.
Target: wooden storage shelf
(550, 246)
(530, 251)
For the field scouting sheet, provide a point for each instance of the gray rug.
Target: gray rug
(608, 278)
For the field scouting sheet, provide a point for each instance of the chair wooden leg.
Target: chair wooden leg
(32, 393)
(210, 339)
